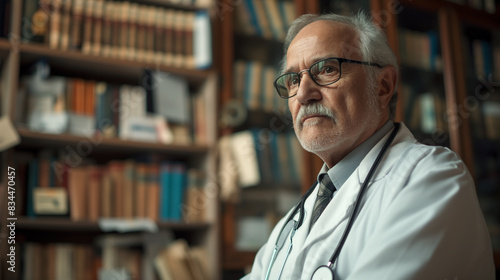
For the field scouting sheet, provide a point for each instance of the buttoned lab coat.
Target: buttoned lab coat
(420, 219)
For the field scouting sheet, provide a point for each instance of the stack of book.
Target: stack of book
(122, 30)
(165, 113)
(420, 50)
(266, 157)
(129, 189)
(265, 18)
(146, 256)
(253, 86)
(59, 261)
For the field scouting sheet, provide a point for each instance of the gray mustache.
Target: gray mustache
(313, 109)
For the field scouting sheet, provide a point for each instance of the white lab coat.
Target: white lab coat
(420, 219)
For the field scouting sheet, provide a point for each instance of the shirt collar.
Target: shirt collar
(340, 172)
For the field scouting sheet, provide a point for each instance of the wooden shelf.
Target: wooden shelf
(65, 224)
(36, 140)
(88, 66)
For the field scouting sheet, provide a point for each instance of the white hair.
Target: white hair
(373, 45)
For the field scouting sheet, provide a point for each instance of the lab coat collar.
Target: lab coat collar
(403, 139)
(342, 204)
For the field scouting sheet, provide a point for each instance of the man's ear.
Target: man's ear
(387, 82)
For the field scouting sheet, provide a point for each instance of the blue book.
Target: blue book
(487, 58)
(178, 188)
(32, 184)
(434, 49)
(254, 19)
(165, 186)
(247, 92)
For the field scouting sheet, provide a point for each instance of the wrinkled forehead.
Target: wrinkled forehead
(323, 39)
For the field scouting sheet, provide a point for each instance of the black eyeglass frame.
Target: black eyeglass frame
(339, 59)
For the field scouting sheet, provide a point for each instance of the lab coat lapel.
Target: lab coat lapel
(337, 211)
(342, 204)
(401, 141)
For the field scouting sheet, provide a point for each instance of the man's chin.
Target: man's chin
(313, 145)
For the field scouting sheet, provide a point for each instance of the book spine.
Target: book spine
(165, 186)
(55, 25)
(66, 22)
(169, 37)
(142, 30)
(87, 26)
(159, 34)
(115, 30)
(132, 32)
(124, 29)
(189, 40)
(150, 35)
(77, 22)
(98, 26)
(106, 28)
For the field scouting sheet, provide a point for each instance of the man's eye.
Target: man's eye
(328, 70)
(293, 82)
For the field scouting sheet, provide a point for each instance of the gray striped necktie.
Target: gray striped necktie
(325, 193)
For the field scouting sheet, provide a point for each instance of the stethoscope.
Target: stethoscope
(323, 272)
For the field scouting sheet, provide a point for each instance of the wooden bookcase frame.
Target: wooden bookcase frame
(13, 54)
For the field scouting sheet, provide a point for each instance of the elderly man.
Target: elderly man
(384, 206)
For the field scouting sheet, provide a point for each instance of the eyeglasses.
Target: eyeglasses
(324, 72)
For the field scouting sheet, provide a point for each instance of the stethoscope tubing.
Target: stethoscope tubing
(300, 207)
(362, 191)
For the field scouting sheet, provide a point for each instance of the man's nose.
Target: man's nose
(308, 90)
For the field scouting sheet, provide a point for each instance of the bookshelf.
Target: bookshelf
(91, 65)
(197, 152)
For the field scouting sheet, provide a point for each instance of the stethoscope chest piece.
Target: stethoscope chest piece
(322, 273)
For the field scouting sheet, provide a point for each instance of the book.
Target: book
(177, 191)
(107, 195)
(98, 13)
(94, 193)
(172, 261)
(124, 26)
(202, 40)
(165, 191)
(245, 154)
(77, 24)
(77, 187)
(31, 185)
(152, 192)
(55, 24)
(107, 10)
(195, 204)
(141, 189)
(65, 24)
(129, 200)
(170, 37)
(116, 171)
(133, 18)
(276, 23)
(88, 11)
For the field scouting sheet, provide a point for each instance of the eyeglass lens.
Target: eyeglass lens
(323, 72)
